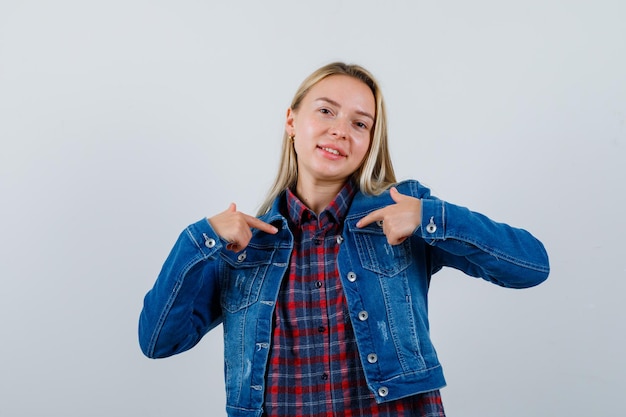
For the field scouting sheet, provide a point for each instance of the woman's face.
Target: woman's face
(333, 128)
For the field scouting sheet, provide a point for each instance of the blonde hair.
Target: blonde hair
(376, 172)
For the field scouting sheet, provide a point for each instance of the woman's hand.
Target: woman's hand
(399, 220)
(234, 227)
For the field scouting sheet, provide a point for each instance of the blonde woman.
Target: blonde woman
(323, 296)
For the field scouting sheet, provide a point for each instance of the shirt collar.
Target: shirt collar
(299, 213)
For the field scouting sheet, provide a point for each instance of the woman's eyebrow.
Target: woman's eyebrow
(334, 103)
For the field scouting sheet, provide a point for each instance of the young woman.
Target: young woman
(323, 296)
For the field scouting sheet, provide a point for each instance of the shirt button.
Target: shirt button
(351, 276)
(339, 240)
(317, 241)
(209, 243)
(383, 391)
(324, 376)
(431, 227)
(321, 329)
(363, 315)
(372, 358)
(318, 284)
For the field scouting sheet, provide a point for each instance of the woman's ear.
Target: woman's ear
(290, 123)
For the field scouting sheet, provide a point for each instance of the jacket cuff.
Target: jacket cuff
(204, 238)
(433, 220)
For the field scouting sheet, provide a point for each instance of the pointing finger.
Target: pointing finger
(370, 218)
(260, 224)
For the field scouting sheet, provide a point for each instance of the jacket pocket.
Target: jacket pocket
(376, 254)
(242, 276)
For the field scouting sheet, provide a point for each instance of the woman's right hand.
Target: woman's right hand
(234, 227)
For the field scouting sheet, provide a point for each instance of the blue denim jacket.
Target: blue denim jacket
(202, 285)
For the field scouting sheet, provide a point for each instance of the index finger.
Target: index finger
(372, 217)
(260, 224)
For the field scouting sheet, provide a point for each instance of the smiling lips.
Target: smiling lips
(331, 150)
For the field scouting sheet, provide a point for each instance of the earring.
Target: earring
(292, 137)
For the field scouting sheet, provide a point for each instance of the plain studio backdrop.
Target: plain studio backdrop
(121, 122)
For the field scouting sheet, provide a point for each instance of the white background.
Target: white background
(123, 121)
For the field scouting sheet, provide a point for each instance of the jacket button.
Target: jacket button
(242, 257)
(363, 315)
(379, 223)
(431, 227)
(339, 240)
(351, 276)
(372, 358)
(209, 243)
(383, 391)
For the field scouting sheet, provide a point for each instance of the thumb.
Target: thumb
(232, 208)
(396, 195)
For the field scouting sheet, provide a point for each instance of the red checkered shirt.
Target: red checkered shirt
(314, 367)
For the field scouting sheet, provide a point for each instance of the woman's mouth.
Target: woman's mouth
(331, 150)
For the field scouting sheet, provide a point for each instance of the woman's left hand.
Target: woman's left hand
(399, 220)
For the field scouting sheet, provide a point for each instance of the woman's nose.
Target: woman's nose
(339, 128)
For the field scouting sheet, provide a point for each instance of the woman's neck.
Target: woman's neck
(317, 195)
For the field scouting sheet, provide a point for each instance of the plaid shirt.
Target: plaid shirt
(314, 367)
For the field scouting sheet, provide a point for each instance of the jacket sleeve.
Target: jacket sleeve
(184, 303)
(480, 247)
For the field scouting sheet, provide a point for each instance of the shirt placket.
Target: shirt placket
(318, 304)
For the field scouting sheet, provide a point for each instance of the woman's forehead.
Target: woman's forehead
(343, 90)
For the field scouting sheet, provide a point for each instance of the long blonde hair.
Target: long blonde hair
(375, 173)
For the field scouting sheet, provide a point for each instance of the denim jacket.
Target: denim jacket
(202, 285)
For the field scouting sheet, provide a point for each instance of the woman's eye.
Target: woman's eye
(324, 111)
(361, 125)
